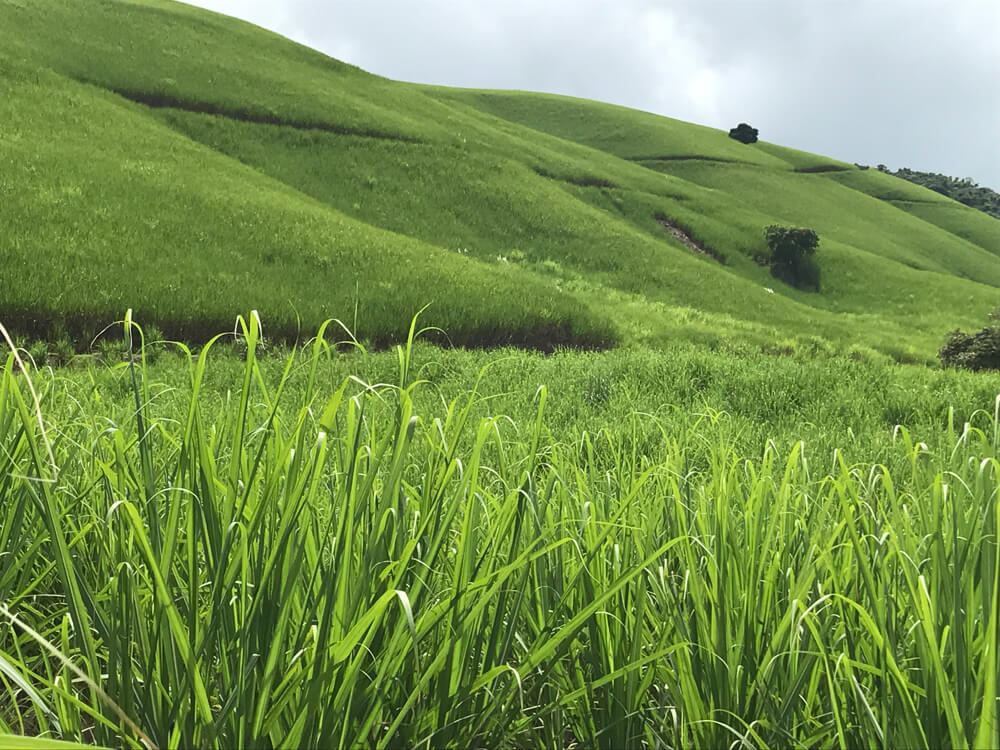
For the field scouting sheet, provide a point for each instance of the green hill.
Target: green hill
(192, 166)
(669, 544)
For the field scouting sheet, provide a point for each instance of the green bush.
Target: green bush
(744, 133)
(792, 251)
(972, 351)
(38, 353)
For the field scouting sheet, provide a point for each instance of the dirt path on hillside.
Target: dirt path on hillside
(681, 235)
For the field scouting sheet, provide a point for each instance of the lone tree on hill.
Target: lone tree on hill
(792, 250)
(744, 133)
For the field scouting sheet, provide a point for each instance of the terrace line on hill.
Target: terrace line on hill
(684, 157)
(159, 100)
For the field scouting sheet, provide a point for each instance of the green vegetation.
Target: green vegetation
(792, 251)
(973, 351)
(704, 512)
(190, 251)
(310, 560)
(147, 164)
(744, 133)
(964, 190)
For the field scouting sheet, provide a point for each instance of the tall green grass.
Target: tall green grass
(342, 568)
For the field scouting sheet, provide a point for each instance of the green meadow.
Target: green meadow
(498, 460)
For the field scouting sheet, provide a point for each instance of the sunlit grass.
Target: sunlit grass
(309, 563)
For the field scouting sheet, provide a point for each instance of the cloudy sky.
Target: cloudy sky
(912, 83)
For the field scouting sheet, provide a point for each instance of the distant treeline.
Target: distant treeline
(964, 190)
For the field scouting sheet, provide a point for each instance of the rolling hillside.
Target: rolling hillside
(675, 539)
(192, 166)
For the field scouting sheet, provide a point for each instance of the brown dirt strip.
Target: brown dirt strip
(682, 235)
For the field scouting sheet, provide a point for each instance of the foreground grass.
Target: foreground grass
(306, 562)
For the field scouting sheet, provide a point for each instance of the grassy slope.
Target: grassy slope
(962, 221)
(189, 253)
(276, 172)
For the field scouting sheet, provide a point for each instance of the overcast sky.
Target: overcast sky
(912, 83)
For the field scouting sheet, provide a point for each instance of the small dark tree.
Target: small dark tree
(792, 250)
(744, 133)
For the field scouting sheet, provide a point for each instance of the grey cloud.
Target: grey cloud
(904, 82)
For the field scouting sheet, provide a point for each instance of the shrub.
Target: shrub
(38, 352)
(61, 352)
(972, 351)
(744, 133)
(152, 342)
(792, 251)
(111, 350)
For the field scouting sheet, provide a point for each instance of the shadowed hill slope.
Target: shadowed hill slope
(192, 166)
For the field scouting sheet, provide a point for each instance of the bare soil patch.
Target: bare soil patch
(683, 235)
